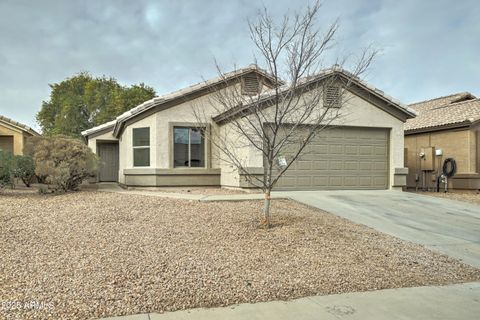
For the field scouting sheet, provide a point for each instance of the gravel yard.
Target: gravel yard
(97, 254)
(467, 196)
(196, 190)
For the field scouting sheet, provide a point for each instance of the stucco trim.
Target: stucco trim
(176, 171)
(172, 177)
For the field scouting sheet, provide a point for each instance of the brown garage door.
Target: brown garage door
(6, 143)
(108, 154)
(341, 158)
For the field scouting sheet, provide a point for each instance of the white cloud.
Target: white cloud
(429, 48)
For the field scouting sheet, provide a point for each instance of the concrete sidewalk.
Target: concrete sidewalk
(460, 301)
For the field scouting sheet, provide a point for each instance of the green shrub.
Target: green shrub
(42, 189)
(24, 169)
(6, 169)
(62, 162)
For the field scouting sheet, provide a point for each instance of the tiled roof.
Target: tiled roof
(441, 101)
(99, 128)
(19, 125)
(264, 96)
(456, 109)
(177, 94)
(120, 120)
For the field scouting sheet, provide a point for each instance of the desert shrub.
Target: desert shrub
(42, 189)
(61, 162)
(24, 169)
(6, 169)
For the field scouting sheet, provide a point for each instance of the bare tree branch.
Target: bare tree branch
(280, 122)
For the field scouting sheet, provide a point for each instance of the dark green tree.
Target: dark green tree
(82, 101)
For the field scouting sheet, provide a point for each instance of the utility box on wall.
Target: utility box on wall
(427, 158)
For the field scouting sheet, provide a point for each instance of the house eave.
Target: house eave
(391, 105)
(457, 125)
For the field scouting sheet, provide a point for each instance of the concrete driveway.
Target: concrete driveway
(448, 226)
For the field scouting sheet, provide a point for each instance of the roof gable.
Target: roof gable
(18, 126)
(358, 86)
(176, 97)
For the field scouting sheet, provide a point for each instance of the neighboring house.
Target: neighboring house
(13, 135)
(449, 124)
(158, 144)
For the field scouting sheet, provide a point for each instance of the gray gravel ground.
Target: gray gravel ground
(195, 190)
(96, 254)
(467, 196)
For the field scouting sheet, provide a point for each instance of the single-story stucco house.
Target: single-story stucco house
(449, 125)
(158, 143)
(13, 135)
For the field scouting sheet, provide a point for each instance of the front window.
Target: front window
(189, 147)
(141, 147)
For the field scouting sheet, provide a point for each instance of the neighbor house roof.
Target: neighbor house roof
(304, 82)
(18, 125)
(179, 95)
(452, 111)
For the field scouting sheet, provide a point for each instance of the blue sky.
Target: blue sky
(428, 48)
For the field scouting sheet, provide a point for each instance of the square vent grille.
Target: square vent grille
(332, 96)
(251, 84)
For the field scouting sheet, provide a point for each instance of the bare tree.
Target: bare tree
(279, 123)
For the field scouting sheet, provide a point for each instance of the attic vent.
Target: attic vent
(250, 84)
(332, 96)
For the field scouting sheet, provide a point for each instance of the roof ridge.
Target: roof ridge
(443, 97)
(454, 104)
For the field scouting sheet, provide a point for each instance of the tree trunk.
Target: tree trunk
(266, 209)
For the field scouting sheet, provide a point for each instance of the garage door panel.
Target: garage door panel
(351, 150)
(351, 165)
(342, 158)
(320, 180)
(335, 165)
(365, 181)
(304, 180)
(304, 165)
(362, 165)
(335, 149)
(380, 166)
(365, 150)
(379, 181)
(335, 181)
(381, 151)
(351, 181)
(320, 165)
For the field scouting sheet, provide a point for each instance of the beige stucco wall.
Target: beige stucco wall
(460, 144)
(161, 138)
(92, 141)
(19, 137)
(356, 112)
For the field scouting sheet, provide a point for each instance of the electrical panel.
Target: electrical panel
(427, 159)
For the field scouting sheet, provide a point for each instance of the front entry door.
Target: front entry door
(108, 168)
